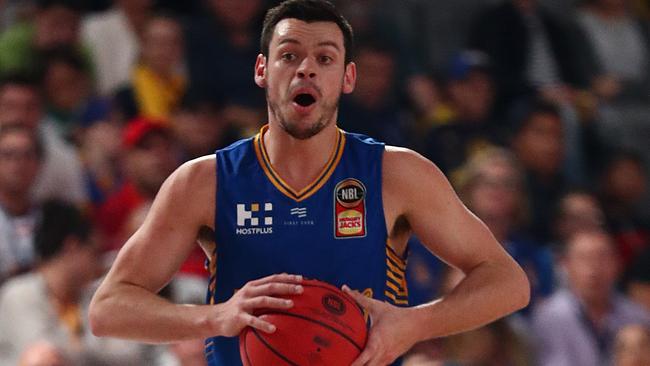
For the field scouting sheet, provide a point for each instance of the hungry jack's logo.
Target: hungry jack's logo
(349, 209)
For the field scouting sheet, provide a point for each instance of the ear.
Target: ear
(260, 71)
(349, 78)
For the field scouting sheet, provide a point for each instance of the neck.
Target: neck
(308, 156)
(57, 282)
(597, 309)
(15, 203)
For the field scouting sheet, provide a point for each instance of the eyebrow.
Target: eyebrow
(321, 44)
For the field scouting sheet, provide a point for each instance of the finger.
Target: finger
(257, 323)
(363, 300)
(267, 302)
(274, 289)
(363, 358)
(281, 277)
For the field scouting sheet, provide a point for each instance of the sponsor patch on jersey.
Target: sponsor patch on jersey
(251, 220)
(350, 209)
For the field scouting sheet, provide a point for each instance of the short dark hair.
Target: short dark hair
(58, 222)
(308, 11)
(17, 127)
(521, 118)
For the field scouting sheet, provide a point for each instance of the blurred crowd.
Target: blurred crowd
(537, 110)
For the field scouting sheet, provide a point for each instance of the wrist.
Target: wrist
(206, 321)
(422, 322)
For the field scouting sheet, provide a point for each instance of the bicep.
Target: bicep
(153, 254)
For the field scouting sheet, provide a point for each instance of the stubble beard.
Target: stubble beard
(293, 127)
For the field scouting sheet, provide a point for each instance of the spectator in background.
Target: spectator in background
(21, 156)
(468, 128)
(61, 175)
(148, 159)
(533, 53)
(392, 22)
(620, 42)
(113, 38)
(492, 186)
(577, 210)
(55, 25)
(199, 126)
(374, 109)
(68, 93)
(220, 46)
(100, 146)
(632, 347)
(42, 353)
(624, 184)
(577, 324)
(538, 143)
(50, 303)
(158, 81)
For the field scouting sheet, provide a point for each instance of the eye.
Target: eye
(324, 59)
(288, 56)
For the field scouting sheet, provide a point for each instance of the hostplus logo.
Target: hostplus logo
(252, 221)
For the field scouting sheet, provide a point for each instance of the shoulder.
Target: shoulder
(403, 166)
(195, 174)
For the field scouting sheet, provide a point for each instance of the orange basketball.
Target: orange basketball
(325, 326)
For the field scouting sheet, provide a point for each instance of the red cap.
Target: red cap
(138, 128)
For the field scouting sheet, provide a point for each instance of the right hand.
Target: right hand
(238, 312)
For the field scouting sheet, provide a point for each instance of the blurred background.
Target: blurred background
(537, 110)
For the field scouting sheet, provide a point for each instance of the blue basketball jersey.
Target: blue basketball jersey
(332, 230)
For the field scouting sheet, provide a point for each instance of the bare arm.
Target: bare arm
(494, 285)
(126, 305)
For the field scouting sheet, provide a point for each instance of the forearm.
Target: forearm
(131, 312)
(488, 292)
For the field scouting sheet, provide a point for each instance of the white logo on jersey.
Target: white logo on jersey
(249, 220)
(300, 212)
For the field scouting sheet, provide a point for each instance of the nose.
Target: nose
(306, 70)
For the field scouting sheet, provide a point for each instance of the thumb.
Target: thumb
(363, 300)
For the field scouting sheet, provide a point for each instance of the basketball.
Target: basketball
(325, 326)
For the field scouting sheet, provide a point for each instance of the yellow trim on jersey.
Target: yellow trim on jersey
(398, 278)
(212, 285)
(395, 300)
(398, 261)
(396, 289)
(399, 291)
(280, 184)
(393, 267)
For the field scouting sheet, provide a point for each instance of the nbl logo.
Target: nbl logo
(252, 221)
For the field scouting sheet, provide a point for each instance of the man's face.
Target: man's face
(304, 76)
(20, 104)
(150, 163)
(19, 163)
(591, 266)
(540, 144)
(163, 45)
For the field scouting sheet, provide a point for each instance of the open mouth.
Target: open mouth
(304, 99)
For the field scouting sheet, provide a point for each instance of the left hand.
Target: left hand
(391, 334)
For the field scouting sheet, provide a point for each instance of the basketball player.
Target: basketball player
(304, 198)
